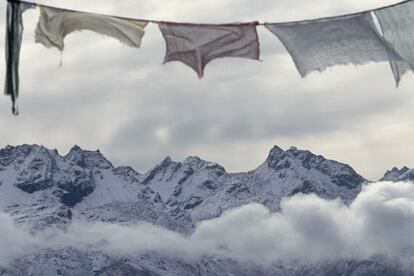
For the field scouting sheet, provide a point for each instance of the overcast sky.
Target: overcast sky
(136, 110)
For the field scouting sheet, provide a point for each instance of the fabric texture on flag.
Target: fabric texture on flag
(14, 33)
(397, 24)
(55, 24)
(197, 44)
(319, 44)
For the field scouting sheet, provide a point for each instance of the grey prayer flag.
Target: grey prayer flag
(397, 24)
(55, 24)
(14, 33)
(197, 44)
(318, 44)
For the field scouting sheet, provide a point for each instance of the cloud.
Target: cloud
(380, 221)
(14, 241)
(116, 99)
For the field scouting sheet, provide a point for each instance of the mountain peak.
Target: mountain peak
(86, 158)
(75, 148)
(165, 162)
(294, 152)
(194, 187)
(195, 161)
(275, 155)
(302, 161)
(10, 154)
(276, 149)
(192, 160)
(396, 174)
(304, 156)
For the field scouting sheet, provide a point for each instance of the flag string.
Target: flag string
(229, 24)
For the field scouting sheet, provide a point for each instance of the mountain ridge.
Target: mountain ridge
(42, 189)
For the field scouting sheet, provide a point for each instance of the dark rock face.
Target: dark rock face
(39, 173)
(74, 192)
(208, 184)
(72, 184)
(30, 187)
(307, 188)
(237, 188)
(88, 159)
(341, 174)
(348, 181)
(187, 173)
(40, 169)
(193, 202)
(275, 157)
(159, 169)
(345, 177)
(127, 173)
(10, 154)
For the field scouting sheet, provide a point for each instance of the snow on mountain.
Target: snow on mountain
(39, 184)
(403, 174)
(69, 261)
(205, 189)
(41, 188)
(94, 262)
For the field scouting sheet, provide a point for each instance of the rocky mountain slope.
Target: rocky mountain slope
(403, 174)
(41, 188)
(205, 189)
(93, 262)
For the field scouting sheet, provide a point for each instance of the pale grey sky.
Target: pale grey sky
(136, 110)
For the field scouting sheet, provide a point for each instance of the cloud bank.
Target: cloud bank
(13, 240)
(380, 221)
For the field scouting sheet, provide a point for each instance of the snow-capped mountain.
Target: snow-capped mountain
(403, 174)
(41, 188)
(205, 189)
(40, 185)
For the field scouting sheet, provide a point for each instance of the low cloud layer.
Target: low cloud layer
(379, 222)
(13, 240)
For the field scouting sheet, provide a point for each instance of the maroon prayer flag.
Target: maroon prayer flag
(198, 44)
